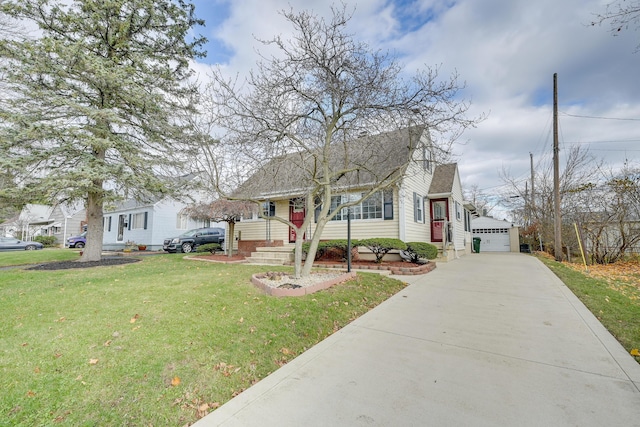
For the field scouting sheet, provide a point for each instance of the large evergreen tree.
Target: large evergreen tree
(95, 101)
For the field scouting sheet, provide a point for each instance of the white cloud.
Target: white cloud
(506, 51)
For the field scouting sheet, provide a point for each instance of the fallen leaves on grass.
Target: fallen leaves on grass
(175, 381)
(93, 361)
(134, 318)
(628, 271)
(635, 352)
(201, 408)
(226, 370)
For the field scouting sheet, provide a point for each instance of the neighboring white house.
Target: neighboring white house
(60, 221)
(496, 235)
(66, 221)
(147, 223)
(426, 205)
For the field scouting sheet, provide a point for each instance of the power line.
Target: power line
(602, 142)
(599, 117)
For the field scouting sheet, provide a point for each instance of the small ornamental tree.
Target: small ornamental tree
(381, 246)
(229, 211)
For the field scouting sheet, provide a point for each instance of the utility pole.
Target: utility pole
(526, 212)
(556, 176)
(532, 202)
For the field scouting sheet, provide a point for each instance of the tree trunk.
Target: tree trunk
(297, 256)
(93, 248)
(313, 247)
(230, 238)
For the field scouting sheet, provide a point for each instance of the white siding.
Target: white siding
(417, 181)
(161, 224)
(258, 229)
(360, 229)
(459, 234)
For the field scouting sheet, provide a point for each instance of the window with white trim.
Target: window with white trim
(138, 221)
(426, 158)
(268, 209)
(372, 207)
(182, 221)
(458, 211)
(418, 208)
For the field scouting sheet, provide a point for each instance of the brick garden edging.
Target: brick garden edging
(297, 292)
(399, 271)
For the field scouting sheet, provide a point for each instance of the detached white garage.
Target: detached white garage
(495, 235)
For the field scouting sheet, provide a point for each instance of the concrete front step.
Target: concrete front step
(265, 261)
(276, 249)
(277, 255)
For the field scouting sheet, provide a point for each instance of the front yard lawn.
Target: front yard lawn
(159, 342)
(10, 258)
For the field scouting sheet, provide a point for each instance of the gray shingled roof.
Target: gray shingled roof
(370, 159)
(443, 177)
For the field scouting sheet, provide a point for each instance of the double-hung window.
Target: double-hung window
(182, 221)
(138, 221)
(377, 206)
(418, 208)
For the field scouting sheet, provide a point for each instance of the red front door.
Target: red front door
(296, 216)
(439, 216)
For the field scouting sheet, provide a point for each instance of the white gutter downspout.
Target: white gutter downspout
(401, 212)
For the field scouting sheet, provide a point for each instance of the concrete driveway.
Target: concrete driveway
(491, 339)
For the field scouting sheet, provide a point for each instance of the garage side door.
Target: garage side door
(493, 239)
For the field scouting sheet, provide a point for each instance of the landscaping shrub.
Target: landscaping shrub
(336, 246)
(380, 246)
(417, 250)
(47, 241)
(209, 247)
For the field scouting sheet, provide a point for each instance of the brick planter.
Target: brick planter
(297, 292)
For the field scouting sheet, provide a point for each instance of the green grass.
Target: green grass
(11, 258)
(616, 304)
(159, 342)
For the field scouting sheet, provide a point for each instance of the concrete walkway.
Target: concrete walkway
(487, 340)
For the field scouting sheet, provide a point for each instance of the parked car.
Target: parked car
(78, 241)
(11, 244)
(189, 241)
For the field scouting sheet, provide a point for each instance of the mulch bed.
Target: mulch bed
(401, 268)
(396, 267)
(65, 265)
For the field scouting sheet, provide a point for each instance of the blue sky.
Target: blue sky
(505, 50)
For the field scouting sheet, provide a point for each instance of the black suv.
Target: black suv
(190, 240)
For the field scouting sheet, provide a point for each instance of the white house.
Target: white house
(60, 221)
(147, 223)
(425, 205)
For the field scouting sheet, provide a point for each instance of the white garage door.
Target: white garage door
(493, 239)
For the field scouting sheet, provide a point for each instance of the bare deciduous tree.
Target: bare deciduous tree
(610, 215)
(620, 14)
(300, 113)
(576, 173)
(479, 199)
